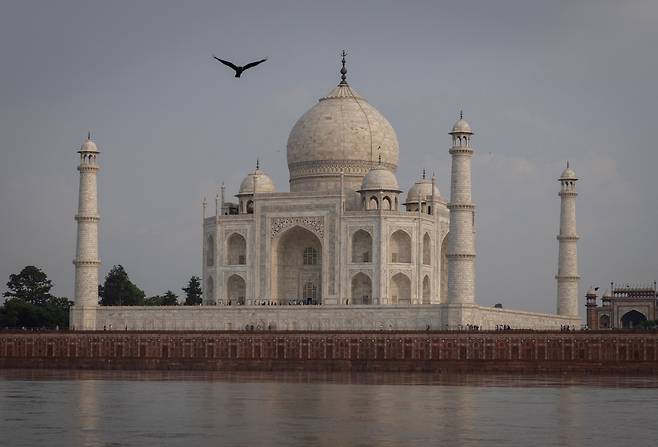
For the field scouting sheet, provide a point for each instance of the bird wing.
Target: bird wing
(253, 64)
(227, 63)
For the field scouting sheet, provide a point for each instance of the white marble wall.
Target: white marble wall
(412, 317)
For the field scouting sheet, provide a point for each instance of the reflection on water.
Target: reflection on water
(86, 408)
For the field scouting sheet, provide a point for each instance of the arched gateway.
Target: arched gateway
(296, 267)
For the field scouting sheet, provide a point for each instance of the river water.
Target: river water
(59, 408)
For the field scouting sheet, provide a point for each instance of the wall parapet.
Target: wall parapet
(434, 351)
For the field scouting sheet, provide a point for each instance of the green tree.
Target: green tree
(168, 299)
(30, 285)
(30, 303)
(193, 292)
(118, 290)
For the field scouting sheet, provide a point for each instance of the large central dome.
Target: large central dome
(342, 132)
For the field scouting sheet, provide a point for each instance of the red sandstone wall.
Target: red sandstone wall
(372, 351)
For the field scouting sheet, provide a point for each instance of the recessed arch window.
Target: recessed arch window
(210, 251)
(210, 288)
(361, 289)
(426, 290)
(400, 289)
(361, 246)
(427, 249)
(236, 250)
(400, 247)
(310, 256)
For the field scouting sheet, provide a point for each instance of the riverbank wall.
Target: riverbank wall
(408, 351)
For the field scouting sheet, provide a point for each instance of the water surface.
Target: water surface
(60, 408)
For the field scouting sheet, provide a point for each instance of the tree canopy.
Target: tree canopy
(193, 292)
(30, 285)
(30, 303)
(118, 290)
(168, 299)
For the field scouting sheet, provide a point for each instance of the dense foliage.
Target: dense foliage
(193, 292)
(168, 299)
(118, 290)
(30, 304)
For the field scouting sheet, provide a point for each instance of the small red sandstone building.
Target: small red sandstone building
(624, 307)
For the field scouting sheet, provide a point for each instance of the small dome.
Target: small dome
(568, 174)
(263, 182)
(461, 126)
(591, 291)
(607, 294)
(380, 178)
(424, 188)
(88, 145)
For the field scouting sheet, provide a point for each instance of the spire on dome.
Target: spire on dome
(257, 164)
(89, 134)
(343, 71)
(423, 173)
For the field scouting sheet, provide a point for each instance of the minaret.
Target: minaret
(567, 268)
(461, 238)
(83, 315)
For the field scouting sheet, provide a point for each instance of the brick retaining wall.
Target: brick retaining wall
(609, 352)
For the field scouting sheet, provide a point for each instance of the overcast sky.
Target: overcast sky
(540, 82)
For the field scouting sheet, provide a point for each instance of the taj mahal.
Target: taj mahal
(346, 248)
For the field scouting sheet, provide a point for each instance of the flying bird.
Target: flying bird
(238, 69)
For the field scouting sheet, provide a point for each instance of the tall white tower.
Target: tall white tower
(461, 238)
(83, 314)
(567, 267)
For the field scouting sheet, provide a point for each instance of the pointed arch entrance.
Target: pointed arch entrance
(361, 289)
(632, 319)
(237, 289)
(426, 290)
(296, 267)
(400, 289)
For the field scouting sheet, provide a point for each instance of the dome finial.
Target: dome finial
(423, 173)
(89, 134)
(567, 164)
(379, 161)
(461, 114)
(343, 71)
(257, 164)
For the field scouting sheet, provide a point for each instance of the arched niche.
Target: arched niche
(632, 319)
(210, 289)
(361, 246)
(210, 251)
(427, 249)
(361, 289)
(400, 289)
(236, 290)
(296, 260)
(427, 290)
(400, 247)
(236, 250)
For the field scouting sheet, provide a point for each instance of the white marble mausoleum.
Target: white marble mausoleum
(345, 248)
